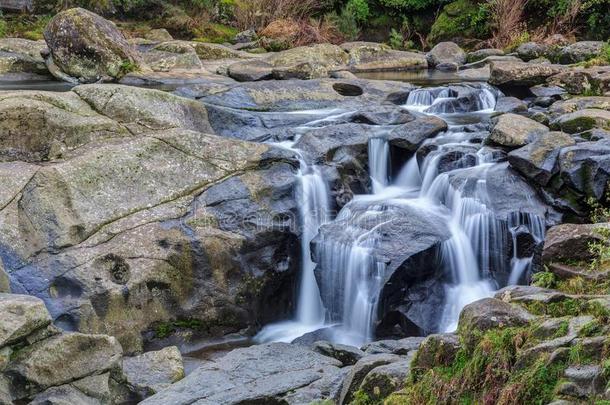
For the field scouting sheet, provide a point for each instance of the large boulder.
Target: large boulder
(514, 130)
(491, 313)
(360, 370)
(87, 47)
(585, 168)
(22, 56)
(508, 73)
(580, 51)
(580, 103)
(531, 50)
(62, 359)
(407, 242)
(538, 159)
(582, 120)
(204, 266)
(298, 95)
(446, 56)
(271, 373)
(369, 57)
(569, 242)
(307, 62)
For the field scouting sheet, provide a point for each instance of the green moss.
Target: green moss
(24, 26)
(485, 374)
(562, 330)
(127, 67)
(362, 398)
(592, 328)
(544, 279)
(578, 124)
(558, 309)
(165, 329)
(462, 18)
(216, 33)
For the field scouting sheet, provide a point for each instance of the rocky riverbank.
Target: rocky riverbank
(135, 222)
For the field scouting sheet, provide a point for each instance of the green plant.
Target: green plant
(345, 22)
(359, 9)
(590, 329)
(2, 25)
(544, 279)
(128, 67)
(396, 40)
(600, 250)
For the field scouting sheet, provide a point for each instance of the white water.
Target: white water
(314, 211)
(353, 277)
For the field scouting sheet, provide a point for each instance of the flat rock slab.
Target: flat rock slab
(257, 374)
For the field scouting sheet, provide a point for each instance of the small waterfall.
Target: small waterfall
(379, 163)
(314, 211)
(356, 282)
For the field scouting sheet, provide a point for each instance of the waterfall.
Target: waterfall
(448, 181)
(314, 211)
(379, 162)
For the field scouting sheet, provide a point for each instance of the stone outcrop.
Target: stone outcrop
(120, 213)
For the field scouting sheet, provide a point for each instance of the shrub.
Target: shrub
(258, 14)
(359, 9)
(345, 23)
(507, 22)
(396, 39)
(462, 18)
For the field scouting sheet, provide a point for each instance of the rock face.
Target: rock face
(516, 130)
(446, 56)
(155, 226)
(87, 47)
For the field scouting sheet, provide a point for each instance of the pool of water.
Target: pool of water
(429, 77)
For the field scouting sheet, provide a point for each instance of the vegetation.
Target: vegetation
(403, 24)
(488, 373)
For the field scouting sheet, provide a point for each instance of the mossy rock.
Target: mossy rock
(456, 20)
(88, 47)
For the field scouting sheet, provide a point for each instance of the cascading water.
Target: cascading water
(448, 183)
(379, 151)
(314, 211)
